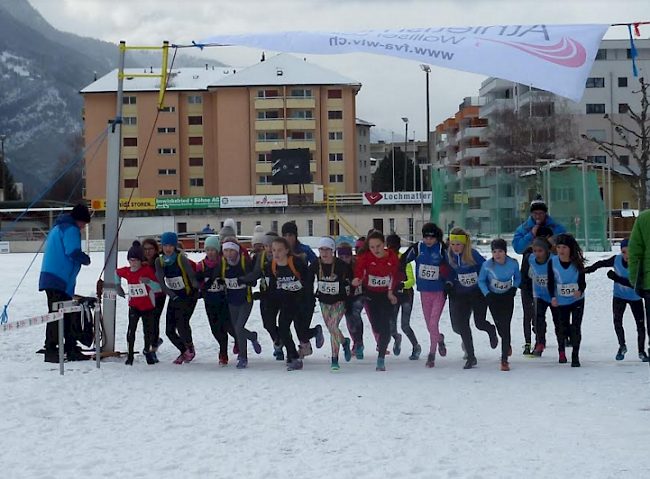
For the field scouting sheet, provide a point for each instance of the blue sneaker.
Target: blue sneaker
(397, 346)
(381, 365)
(294, 365)
(415, 355)
(358, 351)
(257, 347)
(320, 339)
(620, 355)
(335, 364)
(242, 363)
(279, 355)
(155, 358)
(346, 350)
(644, 357)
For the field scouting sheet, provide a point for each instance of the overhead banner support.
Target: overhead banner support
(556, 58)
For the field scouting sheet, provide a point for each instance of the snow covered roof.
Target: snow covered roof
(364, 122)
(279, 70)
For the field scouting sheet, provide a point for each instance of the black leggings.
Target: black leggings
(289, 307)
(528, 303)
(161, 299)
(461, 307)
(269, 311)
(618, 307)
(179, 312)
(501, 307)
(380, 309)
(540, 320)
(302, 323)
(220, 324)
(149, 318)
(569, 323)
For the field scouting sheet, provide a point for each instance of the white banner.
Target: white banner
(23, 323)
(237, 201)
(262, 201)
(259, 201)
(556, 58)
(396, 198)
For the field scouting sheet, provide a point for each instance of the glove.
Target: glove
(611, 274)
(247, 283)
(145, 280)
(449, 288)
(399, 288)
(120, 292)
(257, 295)
(590, 269)
(100, 287)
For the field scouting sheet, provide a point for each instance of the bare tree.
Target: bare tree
(633, 133)
(545, 128)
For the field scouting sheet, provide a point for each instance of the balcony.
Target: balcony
(492, 85)
(269, 145)
(273, 124)
(301, 124)
(470, 132)
(496, 104)
(472, 152)
(477, 213)
(301, 102)
(478, 192)
(501, 203)
(450, 142)
(269, 103)
(294, 144)
(471, 172)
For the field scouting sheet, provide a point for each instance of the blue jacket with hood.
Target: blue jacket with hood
(63, 257)
(524, 237)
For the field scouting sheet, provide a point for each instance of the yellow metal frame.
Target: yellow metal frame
(332, 213)
(163, 76)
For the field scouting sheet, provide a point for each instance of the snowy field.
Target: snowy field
(542, 419)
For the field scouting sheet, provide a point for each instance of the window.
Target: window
(274, 225)
(624, 159)
(597, 159)
(391, 225)
(334, 93)
(600, 135)
(196, 181)
(268, 115)
(602, 54)
(264, 158)
(411, 228)
(239, 228)
(129, 100)
(629, 53)
(168, 109)
(166, 151)
(336, 178)
(595, 108)
(196, 161)
(167, 192)
(360, 148)
(595, 82)
(267, 94)
(130, 142)
(268, 136)
(258, 222)
(336, 135)
(310, 227)
(301, 93)
(302, 114)
(622, 82)
(625, 205)
(181, 227)
(335, 115)
(130, 162)
(195, 120)
(265, 180)
(131, 183)
(623, 107)
(130, 121)
(302, 135)
(195, 99)
(166, 130)
(196, 140)
(335, 228)
(166, 172)
(336, 156)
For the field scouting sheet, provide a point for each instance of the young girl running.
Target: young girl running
(354, 303)
(142, 302)
(537, 272)
(430, 256)
(151, 254)
(213, 292)
(465, 297)
(624, 295)
(176, 277)
(499, 279)
(332, 275)
(234, 265)
(566, 285)
(377, 270)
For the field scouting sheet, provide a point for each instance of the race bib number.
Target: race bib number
(216, 287)
(290, 286)
(176, 283)
(567, 290)
(378, 281)
(233, 283)
(327, 287)
(137, 290)
(429, 272)
(501, 285)
(541, 280)
(468, 280)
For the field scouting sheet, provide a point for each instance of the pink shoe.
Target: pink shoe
(188, 356)
(180, 359)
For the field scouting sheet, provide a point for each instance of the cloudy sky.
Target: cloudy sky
(392, 88)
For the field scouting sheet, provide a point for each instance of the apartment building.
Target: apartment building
(363, 155)
(219, 127)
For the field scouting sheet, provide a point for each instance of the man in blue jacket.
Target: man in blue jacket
(528, 231)
(61, 264)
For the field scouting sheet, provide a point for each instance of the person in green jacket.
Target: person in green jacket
(639, 260)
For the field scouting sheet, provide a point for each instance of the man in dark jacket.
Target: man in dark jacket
(61, 264)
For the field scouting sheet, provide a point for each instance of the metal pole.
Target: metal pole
(61, 346)
(498, 205)
(392, 147)
(414, 161)
(422, 192)
(428, 122)
(548, 185)
(610, 215)
(113, 211)
(584, 206)
(98, 327)
(406, 140)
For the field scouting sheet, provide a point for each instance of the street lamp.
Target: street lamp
(427, 69)
(406, 139)
(4, 167)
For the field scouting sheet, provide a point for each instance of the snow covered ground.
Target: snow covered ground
(541, 419)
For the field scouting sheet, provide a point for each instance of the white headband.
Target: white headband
(230, 245)
(327, 243)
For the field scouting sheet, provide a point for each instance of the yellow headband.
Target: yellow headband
(458, 238)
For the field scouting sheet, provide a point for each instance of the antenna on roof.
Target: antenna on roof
(263, 57)
(95, 76)
(150, 69)
(206, 66)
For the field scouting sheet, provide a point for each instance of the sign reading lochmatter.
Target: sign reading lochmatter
(397, 198)
(193, 203)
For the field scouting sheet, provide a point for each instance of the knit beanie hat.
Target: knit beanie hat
(270, 237)
(499, 243)
(538, 204)
(169, 238)
(290, 228)
(136, 251)
(393, 241)
(344, 249)
(212, 242)
(81, 213)
(258, 235)
(327, 242)
(227, 230)
(542, 242)
(360, 242)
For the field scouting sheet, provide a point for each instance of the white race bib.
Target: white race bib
(328, 287)
(468, 279)
(429, 272)
(501, 285)
(541, 280)
(233, 283)
(137, 290)
(378, 281)
(567, 290)
(216, 287)
(290, 285)
(176, 283)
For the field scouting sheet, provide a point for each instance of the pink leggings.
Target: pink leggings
(433, 302)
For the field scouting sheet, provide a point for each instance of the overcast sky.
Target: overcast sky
(392, 88)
